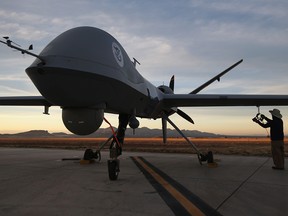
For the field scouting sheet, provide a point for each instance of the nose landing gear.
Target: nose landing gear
(114, 162)
(113, 169)
(115, 151)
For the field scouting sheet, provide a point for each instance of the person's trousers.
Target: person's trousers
(277, 148)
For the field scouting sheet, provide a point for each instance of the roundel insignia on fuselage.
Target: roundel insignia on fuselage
(117, 54)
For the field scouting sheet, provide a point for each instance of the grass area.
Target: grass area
(228, 146)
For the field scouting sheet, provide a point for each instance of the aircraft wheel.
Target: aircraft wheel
(97, 155)
(89, 154)
(113, 169)
(210, 158)
(200, 158)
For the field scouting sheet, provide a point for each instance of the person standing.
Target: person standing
(276, 136)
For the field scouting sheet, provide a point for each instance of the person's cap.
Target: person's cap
(276, 113)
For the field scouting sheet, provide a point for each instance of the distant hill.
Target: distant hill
(28, 134)
(106, 132)
(147, 132)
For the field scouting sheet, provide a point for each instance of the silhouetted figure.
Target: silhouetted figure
(276, 136)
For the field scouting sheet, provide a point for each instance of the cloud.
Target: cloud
(14, 91)
(256, 8)
(14, 77)
(22, 25)
(194, 40)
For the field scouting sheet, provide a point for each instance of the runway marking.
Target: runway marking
(180, 200)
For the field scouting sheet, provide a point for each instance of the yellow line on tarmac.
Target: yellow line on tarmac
(189, 206)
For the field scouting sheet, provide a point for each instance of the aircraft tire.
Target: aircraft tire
(88, 155)
(97, 155)
(113, 169)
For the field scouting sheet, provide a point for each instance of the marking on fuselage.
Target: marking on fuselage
(117, 54)
(180, 200)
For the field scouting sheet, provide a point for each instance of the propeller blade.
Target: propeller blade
(171, 84)
(164, 130)
(185, 116)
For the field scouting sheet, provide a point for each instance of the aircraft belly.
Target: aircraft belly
(129, 101)
(72, 88)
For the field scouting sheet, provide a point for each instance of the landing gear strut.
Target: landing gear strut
(201, 157)
(90, 155)
(116, 146)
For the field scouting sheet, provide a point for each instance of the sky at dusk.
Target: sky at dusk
(193, 40)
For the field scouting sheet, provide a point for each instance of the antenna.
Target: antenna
(10, 43)
(135, 62)
(29, 48)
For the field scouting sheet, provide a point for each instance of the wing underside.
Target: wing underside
(175, 100)
(24, 101)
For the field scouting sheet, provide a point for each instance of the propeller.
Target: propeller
(171, 84)
(170, 90)
(185, 116)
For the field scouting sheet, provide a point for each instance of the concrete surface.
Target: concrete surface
(38, 182)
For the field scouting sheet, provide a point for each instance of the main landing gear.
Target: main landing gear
(201, 157)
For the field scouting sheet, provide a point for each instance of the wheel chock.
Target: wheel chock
(84, 162)
(212, 165)
(210, 160)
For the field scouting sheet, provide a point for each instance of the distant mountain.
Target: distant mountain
(106, 132)
(28, 134)
(146, 132)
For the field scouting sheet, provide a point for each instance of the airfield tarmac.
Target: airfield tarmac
(38, 182)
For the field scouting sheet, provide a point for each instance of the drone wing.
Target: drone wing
(24, 101)
(202, 100)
